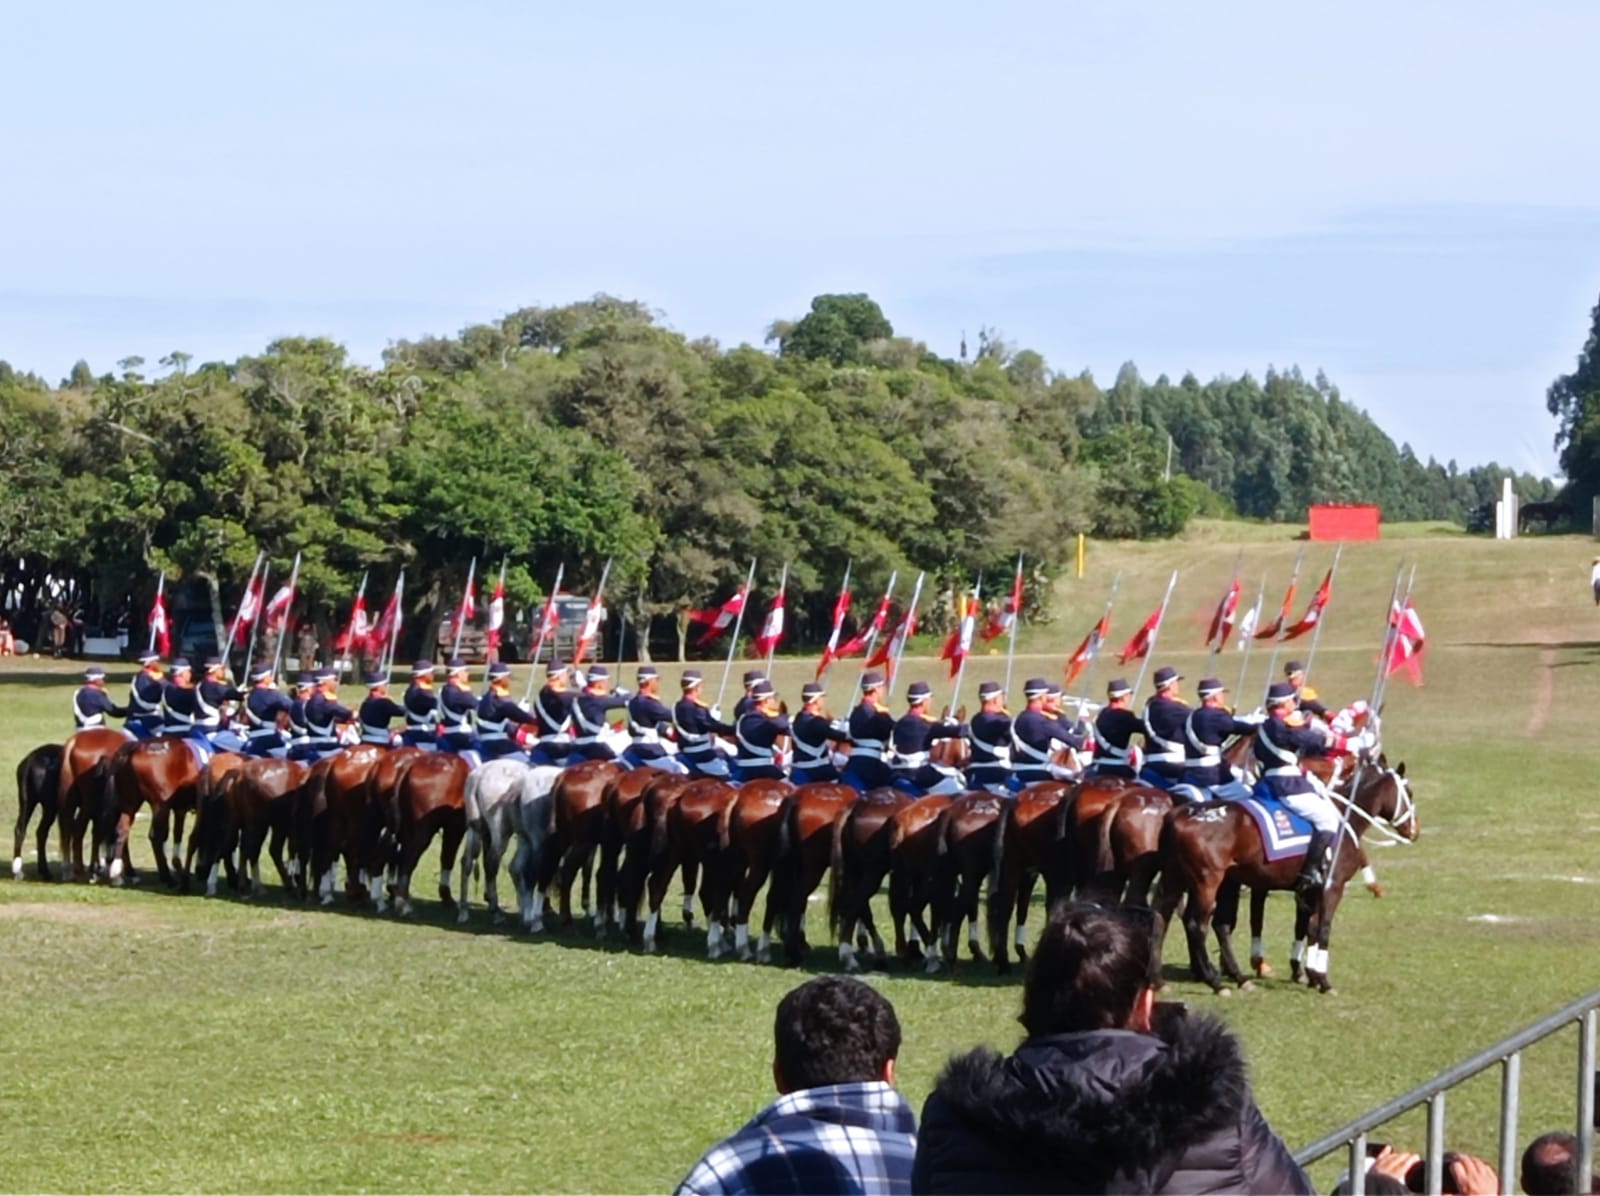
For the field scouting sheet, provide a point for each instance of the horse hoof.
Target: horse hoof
(1022, 957)
(1376, 889)
(746, 955)
(536, 926)
(1223, 991)
(931, 965)
(763, 956)
(1295, 974)
(325, 900)
(1261, 968)
(496, 918)
(16, 868)
(461, 916)
(1247, 986)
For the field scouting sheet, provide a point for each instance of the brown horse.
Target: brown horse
(1205, 847)
(165, 774)
(913, 860)
(335, 818)
(38, 788)
(579, 812)
(805, 847)
(1126, 840)
(637, 827)
(858, 865)
(429, 800)
(686, 835)
(84, 787)
(749, 837)
(255, 800)
(623, 819)
(1033, 845)
(971, 839)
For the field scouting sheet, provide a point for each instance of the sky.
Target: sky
(1405, 196)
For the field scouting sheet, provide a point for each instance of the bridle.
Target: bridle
(1393, 827)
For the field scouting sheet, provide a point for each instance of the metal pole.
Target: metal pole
(1283, 613)
(1435, 1160)
(255, 625)
(538, 644)
(461, 611)
(783, 584)
(1016, 619)
(1316, 634)
(294, 583)
(361, 594)
(961, 669)
(233, 628)
(1510, 1098)
(595, 603)
(161, 588)
(1255, 623)
(872, 637)
(1155, 633)
(1357, 1165)
(733, 643)
(900, 654)
(490, 654)
(1216, 648)
(835, 628)
(1094, 648)
(394, 630)
(1586, 1051)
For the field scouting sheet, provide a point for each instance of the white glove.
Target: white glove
(1255, 718)
(716, 713)
(579, 678)
(842, 726)
(525, 706)
(623, 693)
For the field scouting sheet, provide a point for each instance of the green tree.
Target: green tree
(1574, 399)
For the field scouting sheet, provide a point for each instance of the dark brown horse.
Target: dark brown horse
(623, 819)
(686, 835)
(84, 790)
(579, 812)
(1126, 840)
(1034, 846)
(335, 818)
(913, 860)
(429, 801)
(637, 827)
(858, 865)
(253, 805)
(749, 838)
(971, 839)
(1205, 847)
(805, 847)
(38, 788)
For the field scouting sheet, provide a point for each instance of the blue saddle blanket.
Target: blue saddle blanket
(200, 749)
(1283, 832)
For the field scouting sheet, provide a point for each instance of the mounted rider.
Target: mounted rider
(812, 733)
(914, 735)
(377, 711)
(1114, 729)
(589, 710)
(213, 694)
(990, 735)
(1037, 735)
(144, 697)
(264, 706)
(1165, 716)
(180, 706)
(91, 703)
(1279, 747)
(299, 732)
(1210, 726)
(757, 732)
(458, 706)
(422, 708)
(650, 726)
(325, 717)
(552, 712)
(1306, 699)
(871, 730)
(696, 724)
(746, 701)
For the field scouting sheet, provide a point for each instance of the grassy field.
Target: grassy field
(165, 1043)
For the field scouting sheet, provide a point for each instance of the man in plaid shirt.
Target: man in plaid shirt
(838, 1124)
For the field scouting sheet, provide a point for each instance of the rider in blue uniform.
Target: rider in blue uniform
(91, 703)
(1035, 734)
(746, 701)
(144, 697)
(1209, 728)
(422, 708)
(812, 733)
(757, 732)
(180, 708)
(990, 735)
(696, 723)
(498, 716)
(1305, 697)
(589, 710)
(649, 723)
(325, 714)
(299, 732)
(457, 707)
(1165, 716)
(871, 730)
(264, 707)
(914, 734)
(213, 693)
(1114, 729)
(377, 711)
(552, 710)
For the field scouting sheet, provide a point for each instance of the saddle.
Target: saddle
(1284, 834)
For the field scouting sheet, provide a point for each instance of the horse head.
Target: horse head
(1387, 798)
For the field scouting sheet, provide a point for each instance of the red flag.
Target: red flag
(717, 619)
(277, 612)
(1271, 630)
(160, 625)
(959, 642)
(891, 649)
(1002, 620)
(771, 632)
(592, 618)
(356, 631)
(549, 620)
(1405, 645)
(1319, 600)
(1222, 620)
(497, 613)
(1135, 648)
(841, 607)
(249, 606)
(868, 634)
(383, 630)
(465, 613)
(1089, 649)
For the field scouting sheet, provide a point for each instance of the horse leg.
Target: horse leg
(571, 861)
(178, 866)
(469, 860)
(1297, 949)
(1258, 922)
(588, 881)
(1224, 919)
(494, 854)
(1196, 923)
(1019, 938)
(691, 880)
(275, 841)
(24, 814)
(1317, 952)
(450, 835)
(160, 821)
(47, 818)
(117, 842)
(661, 871)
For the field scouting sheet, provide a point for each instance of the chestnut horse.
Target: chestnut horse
(579, 799)
(1206, 846)
(637, 827)
(429, 800)
(859, 864)
(84, 790)
(165, 774)
(748, 839)
(623, 818)
(38, 788)
(805, 846)
(255, 800)
(336, 817)
(913, 859)
(686, 834)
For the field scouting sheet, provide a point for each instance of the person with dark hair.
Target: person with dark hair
(1108, 1091)
(838, 1124)
(1550, 1166)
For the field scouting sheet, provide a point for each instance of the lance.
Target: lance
(595, 604)
(294, 585)
(900, 653)
(1383, 688)
(1277, 640)
(461, 611)
(489, 656)
(538, 644)
(1094, 648)
(961, 669)
(361, 593)
(872, 636)
(161, 589)
(233, 628)
(1155, 633)
(772, 649)
(738, 623)
(393, 646)
(1016, 619)
(1247, 641)
(1216, 648)
(255, 625)
(835, 629)
(1316, 634)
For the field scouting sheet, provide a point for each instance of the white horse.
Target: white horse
(505, 798)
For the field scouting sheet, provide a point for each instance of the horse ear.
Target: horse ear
(1400, 769)
(961, 713)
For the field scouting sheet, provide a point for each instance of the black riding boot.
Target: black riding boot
(1312, 875)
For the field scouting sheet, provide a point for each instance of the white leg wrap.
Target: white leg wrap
(1297, 951)
(741, 940)
(293, 868)
(1368, 876)
(713, 940)
(1317, 960)
(375, 891)
(16, 867)
(116, 867)
(847, 954)
(972, 934)
(1020, 938)
(764, 947)
(688, 906)
(650, 925)
(913, 938)
(446, 875)
(211, 880)
(1258, 949)
(536, 922)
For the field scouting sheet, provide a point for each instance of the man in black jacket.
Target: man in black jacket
(1105, 1094)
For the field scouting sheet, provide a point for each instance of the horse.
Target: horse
(1126, 842)
(85, 759)
(579, 799)
(913, 857)
(507, 798)
(636, 827)
(687, 835)
(748, 839)
(429, 800)
(1547, 513)
(38, 788)
(971, 837)
(623, 818)
(859, 863)
(335, 816)
(1033, 845)
(255, 800)
(165, 773)
(805, 847)
(1207, 846)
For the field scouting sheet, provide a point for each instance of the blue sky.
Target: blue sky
(1405, 196)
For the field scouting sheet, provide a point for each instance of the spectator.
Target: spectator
(1594, 579)
(838, 1124)
(8, 641)
(1550, 1166)
(1096, 1099)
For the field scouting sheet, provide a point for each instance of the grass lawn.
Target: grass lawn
(159, 1043)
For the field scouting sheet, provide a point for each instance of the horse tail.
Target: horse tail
(471, 804)
(725, 825)
(786, 870)
(836, 878)
(658, 828)
(1105, 860)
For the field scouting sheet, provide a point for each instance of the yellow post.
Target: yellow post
(1082, 547)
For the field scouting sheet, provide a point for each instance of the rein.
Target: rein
(1405, 811)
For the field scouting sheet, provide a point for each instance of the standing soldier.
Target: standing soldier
(92, 703)
(811, 733)
(264, 707)
(1114, 729)
(552, 710)
(1165, 716)
(422, 708)
(914, 734)
(757, 732)
(990, 766)
(1208, 729)
(498, 714)
(871, 730)
(650, 723)
(144, 697)
(589, 710)
(696, 723)
(378, 711)
(1035, 735)
(457, 705)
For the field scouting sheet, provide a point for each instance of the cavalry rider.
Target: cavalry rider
(746, 701)
(871, 729)
(92, 703)
(213, 693)
(1165, 716)
(1305, 697)
(696, 723)
(325, 714)
(1114, 729)
(1209, 727)
(264, 706)
(990, 766)
(179, 702)
(757, 732)
(377, 711)
(552, 710)
(498, 714)
(422, 708)
(589, 710)
(649, 723)
(1037, 734)
(457, 705)
(1279, 747)
(914, 733)
(810, 732)
(299, 731)
(144, 697)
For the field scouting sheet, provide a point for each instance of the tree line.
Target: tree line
(592, 432)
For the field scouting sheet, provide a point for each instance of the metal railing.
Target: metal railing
(1508, 1053)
